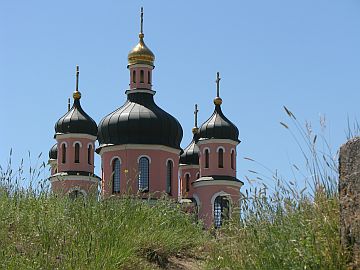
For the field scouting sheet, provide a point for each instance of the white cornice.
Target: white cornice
(206, 141)
(65, 177)
(186, 166)
(203, 183)
(133, 91)
(112, 147)
(59, 136)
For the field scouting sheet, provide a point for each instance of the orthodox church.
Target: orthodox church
(139, 147)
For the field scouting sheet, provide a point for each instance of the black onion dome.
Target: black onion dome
(190, 156)
(218, 127)
(53, 152)
(76, 121)
(140, 121)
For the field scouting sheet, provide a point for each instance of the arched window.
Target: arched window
(221, 210)
(63, 153)
(187, 182)
(134, 76)
(143, 174)
(232, 159)
(116, 176)
(77, 153)
(197, 175)
(89, 154)
(221, 158)
(149, 77)
(206, 158)
(169, 176)
(141, 76)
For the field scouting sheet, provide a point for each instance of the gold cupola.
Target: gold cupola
(141, 54)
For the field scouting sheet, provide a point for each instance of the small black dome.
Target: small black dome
(140, 121)
(218, 127)
(190, 156)
(53, 152)
(76, 121)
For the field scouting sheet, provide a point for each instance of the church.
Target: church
(139, 147)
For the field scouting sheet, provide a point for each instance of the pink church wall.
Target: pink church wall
(129, 171)
(213, 159)
(206, 208)
(70, 164)
(138, 84)
(193, 172)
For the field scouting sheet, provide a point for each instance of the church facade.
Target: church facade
(139, 146)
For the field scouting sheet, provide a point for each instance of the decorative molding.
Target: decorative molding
(66, 144)
(92, 145)
(60, 136)
(138, 90)
(203, 183)
(221, 141)
(113, 147)
(220, 147)
(187, 166)
(65, 177)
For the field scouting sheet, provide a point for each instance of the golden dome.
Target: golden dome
(141, 54)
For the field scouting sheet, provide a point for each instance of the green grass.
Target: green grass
(45, 232)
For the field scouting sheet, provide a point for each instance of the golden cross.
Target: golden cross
(77, 78)
(141, 20)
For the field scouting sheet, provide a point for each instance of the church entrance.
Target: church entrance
(221, 210)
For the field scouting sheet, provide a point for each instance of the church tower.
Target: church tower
(72, 157)
(140, 142)
(189, 169)
(217, 191)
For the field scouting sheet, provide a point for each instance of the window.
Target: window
(141, 76)
(149, 77)
(221, 158)
(197, 175)
(77, 153)
(206, 158)
(232, 159)
(221, 211)
(116, 176)
(76, 194)
(144, 174)
(89, 154)
(134, 76)
(63, 151)
(187, 182)
(169, 173)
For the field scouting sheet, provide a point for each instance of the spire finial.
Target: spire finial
(77, 94)
(218, 100)
(68, 104)
(195, 128)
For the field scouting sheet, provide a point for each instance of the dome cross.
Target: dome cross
(141, 20)
(196, 115)
(218, 84)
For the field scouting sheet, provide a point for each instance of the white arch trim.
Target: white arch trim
(222, 194)
(146, 156)
(232, 150)
(187, 173)
(205, 149)
(83, 192)
(93, 146)
(66, 144)
(113, 158)
(220, 147)
(169, 159)
(198, 202)
(76, 143)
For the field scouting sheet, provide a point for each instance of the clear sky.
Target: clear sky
(302, 54)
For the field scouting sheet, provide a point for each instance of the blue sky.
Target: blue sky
(302, 54)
